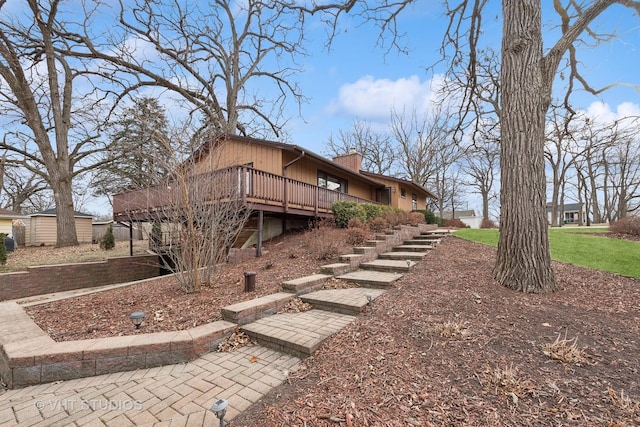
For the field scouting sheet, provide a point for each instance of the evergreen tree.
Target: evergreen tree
(3, 250)
(108, 242)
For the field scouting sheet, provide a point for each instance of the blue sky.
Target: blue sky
(357, 79)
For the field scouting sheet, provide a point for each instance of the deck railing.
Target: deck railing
(240, 183)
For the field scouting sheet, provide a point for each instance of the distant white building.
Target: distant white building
(468, 217)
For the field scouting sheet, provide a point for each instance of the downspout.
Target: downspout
(285, 167)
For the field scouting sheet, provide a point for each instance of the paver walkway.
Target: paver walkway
(173, 395)
(182, 394)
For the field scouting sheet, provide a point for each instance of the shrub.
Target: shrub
(108, 242)
(357, 236)
(345, 211)
(628, 225)
(487, 223)
(454, 223)
(324, 242)
(3, 250)
(378, 224)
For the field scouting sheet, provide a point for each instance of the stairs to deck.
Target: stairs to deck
(301, 333)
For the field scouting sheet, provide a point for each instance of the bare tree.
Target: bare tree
(561, 152)
(51, 124)
(201, 213)
(425, 143)
(481, 160)
(623, 168)
(223, 58)
(377, 149)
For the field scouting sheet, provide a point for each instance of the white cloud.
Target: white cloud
(371, 98)
(601, 112)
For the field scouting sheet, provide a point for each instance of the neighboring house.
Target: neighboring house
(287, 183)
(42, 228)
(567, 214)
(8, 219)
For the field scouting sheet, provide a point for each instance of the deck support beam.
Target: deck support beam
(260, 227)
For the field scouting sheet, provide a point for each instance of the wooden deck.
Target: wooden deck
(255, 189)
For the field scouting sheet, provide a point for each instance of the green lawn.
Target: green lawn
(573, 246)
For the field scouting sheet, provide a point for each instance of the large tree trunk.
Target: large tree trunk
(65, 219)
(523, 261)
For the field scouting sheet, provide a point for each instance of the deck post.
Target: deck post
(260, 223)
(130, 238)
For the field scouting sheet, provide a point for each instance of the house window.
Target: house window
(331, 182)
(403, 193)
(414, 202)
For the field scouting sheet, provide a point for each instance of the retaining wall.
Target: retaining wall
(46, 279)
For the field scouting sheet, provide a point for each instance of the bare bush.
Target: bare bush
(628, 225)
(378, 225)
(454, 223)
(487, 223)
(357, 236)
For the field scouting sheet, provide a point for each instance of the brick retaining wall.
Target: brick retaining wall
(47, 279)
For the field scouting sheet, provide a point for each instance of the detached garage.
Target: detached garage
(42, 228)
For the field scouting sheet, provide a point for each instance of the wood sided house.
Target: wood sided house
(285, 185)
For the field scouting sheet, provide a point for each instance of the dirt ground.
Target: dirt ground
(445, 346)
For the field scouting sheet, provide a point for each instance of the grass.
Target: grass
(573, 246)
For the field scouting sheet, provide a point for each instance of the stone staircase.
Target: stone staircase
(373, 267)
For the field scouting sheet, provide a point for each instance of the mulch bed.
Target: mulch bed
(167, 308)
(449, 346)
(446, 346)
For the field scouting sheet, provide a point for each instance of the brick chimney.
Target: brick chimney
(351, 160)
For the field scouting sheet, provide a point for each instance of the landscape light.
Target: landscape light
(219, 408)
(137, 318)
(369, 297)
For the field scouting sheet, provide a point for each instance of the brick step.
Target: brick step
(305, 284)
(336, 269)
(390, 265)
(365, 250)
(413, 256)
(412, 248)
(350, 301)
(298, 334)
(371, 279)
(257, 308)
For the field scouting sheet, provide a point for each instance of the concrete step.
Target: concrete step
(412, 248)
(371, 279)
(298, 334)
(437, 233)
(422, 242)
(414, 256)
(350, 301)
(401, 266)
(305, 284)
